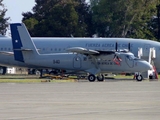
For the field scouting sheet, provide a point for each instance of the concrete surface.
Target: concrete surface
(118, 100)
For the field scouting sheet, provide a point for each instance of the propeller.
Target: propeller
(126, 50)
(116, 57)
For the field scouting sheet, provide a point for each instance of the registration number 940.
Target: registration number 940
(56, 61)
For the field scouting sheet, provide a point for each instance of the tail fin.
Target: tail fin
(23, 46)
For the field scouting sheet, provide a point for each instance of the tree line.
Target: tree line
(104, 18)
(3, 20)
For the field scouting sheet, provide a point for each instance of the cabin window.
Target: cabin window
(77, 59)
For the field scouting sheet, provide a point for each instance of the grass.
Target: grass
(36, 79)
(32, 80)
(28, 79)
(19, 81)
(123, 76)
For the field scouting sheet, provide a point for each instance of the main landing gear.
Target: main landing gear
(92, 78)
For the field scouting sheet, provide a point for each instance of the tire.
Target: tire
(139, 78)
(91, 78)
(4, 70)
(100, 78)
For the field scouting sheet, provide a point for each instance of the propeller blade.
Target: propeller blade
(129, 46)
(116, 47)
(117, 56)
(116, 59)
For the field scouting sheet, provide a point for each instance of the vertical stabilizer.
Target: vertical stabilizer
(16, 42)
(23, 46)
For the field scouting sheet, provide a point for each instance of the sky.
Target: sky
(15, 8)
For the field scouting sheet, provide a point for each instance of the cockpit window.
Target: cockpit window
(130, 57)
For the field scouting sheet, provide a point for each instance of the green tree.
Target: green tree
(3, 21)
(85, 26)
(58, 18)
(123, 18)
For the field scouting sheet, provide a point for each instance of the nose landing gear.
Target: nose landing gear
(139, 77)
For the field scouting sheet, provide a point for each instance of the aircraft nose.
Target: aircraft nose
(150, 67)
(147, 66)
(143, 66)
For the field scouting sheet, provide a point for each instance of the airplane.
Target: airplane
(54, 45)
(78, 58)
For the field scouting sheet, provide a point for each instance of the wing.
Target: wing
(82, 50)
(85, 51)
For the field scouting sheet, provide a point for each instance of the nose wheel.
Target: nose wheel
(139, 77)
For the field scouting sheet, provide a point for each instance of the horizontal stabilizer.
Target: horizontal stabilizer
(6, 53)
(23, 50)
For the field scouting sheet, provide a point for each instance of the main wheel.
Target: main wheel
(100, 78)
(139, 77)
(91, 78)
(4, 70)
